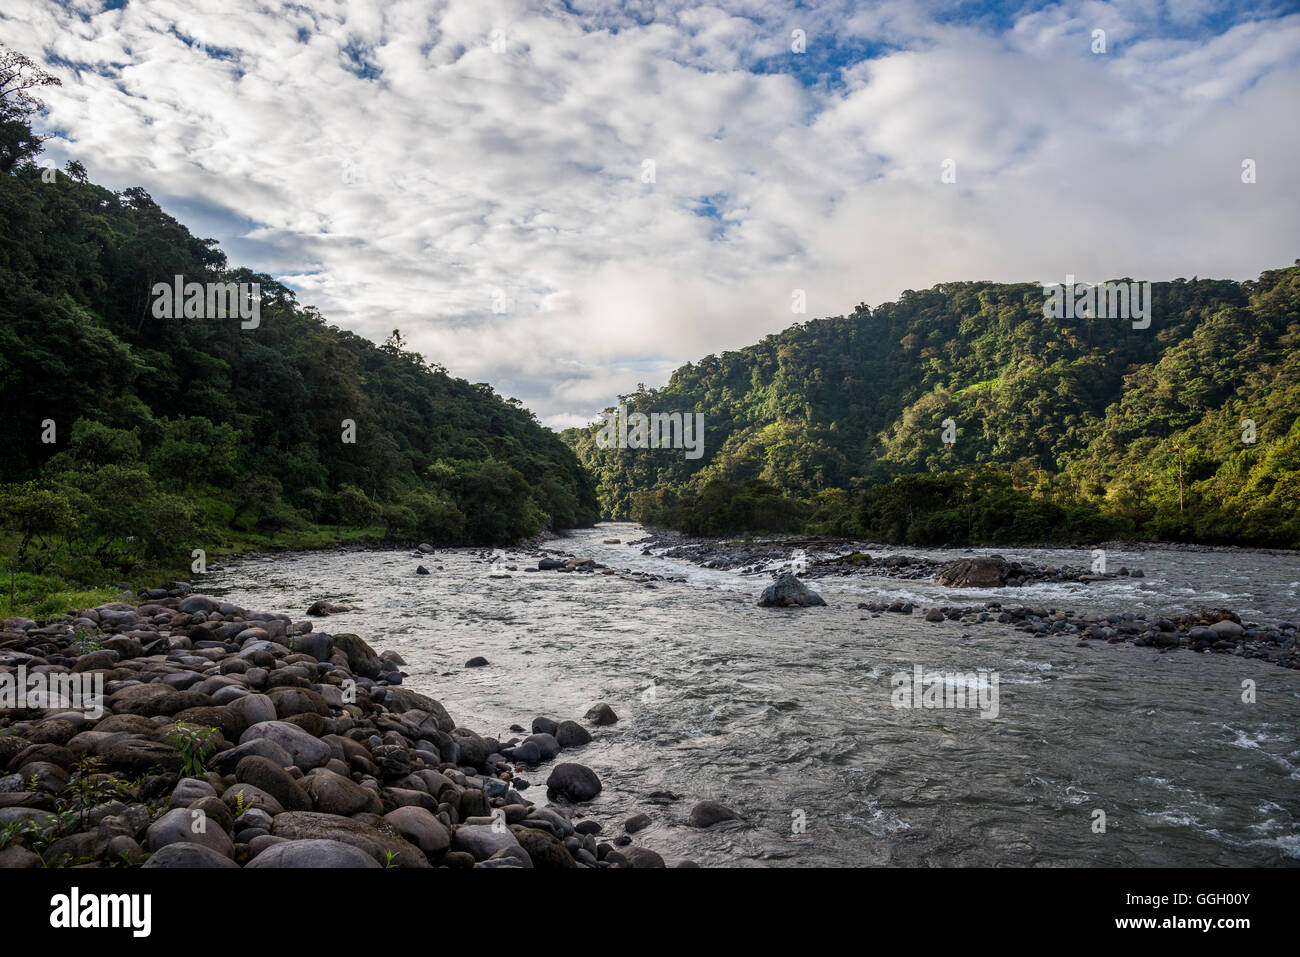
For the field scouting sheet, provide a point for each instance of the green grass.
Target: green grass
(61, 588)
(49, 596)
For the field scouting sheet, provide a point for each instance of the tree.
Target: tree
(355, 508)
(19, 74)
(34, 511)
(1179, 450)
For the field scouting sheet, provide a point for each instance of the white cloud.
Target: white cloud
(494, 155)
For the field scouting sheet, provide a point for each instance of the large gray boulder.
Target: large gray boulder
(313, 853)
(789, 592)
(268, 776)
(362, 659)
(227, 761)
(307, 751)
(181, 825)
(254, 708)
(709, 813)
(334, 794)
(483, 841)
(989, 572)
(402, 700)
(574, 781)
(419, 826)
(198, 603)
(570, 734)
(187, 855)
(377, 840)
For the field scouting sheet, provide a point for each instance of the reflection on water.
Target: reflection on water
(786, 715)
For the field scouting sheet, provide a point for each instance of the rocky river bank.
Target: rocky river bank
(824, 558)
(215, 736)
(1204, 630)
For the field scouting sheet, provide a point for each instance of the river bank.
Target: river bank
(188, 731)
(1200, 629)
(786, 715)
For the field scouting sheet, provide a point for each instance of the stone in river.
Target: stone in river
(318, 646)
(484, 840)
(545, 851)
(546, 744)
(544, 726)
(788, 591)
(362, 659)
(989, 572)
(709, 813)
(526, 753)
(570, 734)
(473, 749)
(478, 661)
(322, 608)
(600, 714)
(641, 857)
(574, 781)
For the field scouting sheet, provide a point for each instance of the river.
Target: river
(1106, 755)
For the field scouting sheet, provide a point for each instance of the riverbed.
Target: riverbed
(1106, 755)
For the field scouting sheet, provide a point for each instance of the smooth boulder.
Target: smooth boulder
(321, 852)
(789, 592)
(307, 751)
(709, 813)
(573, 781)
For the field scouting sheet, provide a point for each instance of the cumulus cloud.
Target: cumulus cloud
(566, 200)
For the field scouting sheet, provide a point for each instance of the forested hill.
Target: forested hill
(1064, 428)
(130, 438)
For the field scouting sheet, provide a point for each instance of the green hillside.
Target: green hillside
(1065, 429)
(129, 440)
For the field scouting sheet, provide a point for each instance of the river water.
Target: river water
(789, 715)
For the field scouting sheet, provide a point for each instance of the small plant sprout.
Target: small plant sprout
(193, 744)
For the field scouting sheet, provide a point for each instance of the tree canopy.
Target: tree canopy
(1062, 427)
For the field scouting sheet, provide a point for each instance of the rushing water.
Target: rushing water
(786, 715)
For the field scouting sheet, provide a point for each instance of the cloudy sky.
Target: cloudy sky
(567, 198)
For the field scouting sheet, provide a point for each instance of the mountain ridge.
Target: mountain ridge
(1083, 413)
